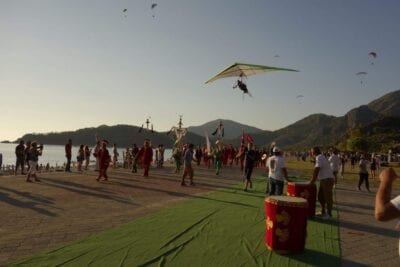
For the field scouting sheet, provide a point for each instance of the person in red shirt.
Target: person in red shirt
(240, 156)
(68, 155)
(104, 161)
(145, 156)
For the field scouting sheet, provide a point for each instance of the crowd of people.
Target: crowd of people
(216, 156)
(327, 165)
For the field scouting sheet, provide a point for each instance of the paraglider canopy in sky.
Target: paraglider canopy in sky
(125, 12)
(152, 8)
(300, 98)
(373, 54)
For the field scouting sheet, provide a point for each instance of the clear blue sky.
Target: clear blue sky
(69, 64)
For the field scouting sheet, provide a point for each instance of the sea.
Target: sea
(55, 154)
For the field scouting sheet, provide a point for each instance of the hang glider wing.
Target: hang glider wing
(244, 70)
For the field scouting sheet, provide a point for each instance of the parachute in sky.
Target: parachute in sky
(125, 11)
(373, 54)
(300, 98)
(152, 8)
(361, 73)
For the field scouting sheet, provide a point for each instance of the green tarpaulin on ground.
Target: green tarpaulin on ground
(224, 228)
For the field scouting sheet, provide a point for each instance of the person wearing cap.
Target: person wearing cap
(323, 172)
(277, 172)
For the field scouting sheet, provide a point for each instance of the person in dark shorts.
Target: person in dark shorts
(249, 161)
(20, 154)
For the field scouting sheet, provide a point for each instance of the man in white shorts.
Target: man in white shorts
(323, 172)
(385, 208)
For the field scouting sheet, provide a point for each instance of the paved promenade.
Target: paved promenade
(67, 207)
(365, 241)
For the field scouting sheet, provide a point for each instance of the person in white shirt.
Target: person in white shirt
(385, 208)
(277, 172)
(334, 161)
(363, 173)
(323, 172)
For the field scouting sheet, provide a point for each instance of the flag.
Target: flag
(207, 142)
(219, 131)
(242, 139)
(249, 139)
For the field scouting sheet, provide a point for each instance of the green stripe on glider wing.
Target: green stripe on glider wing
(241, 69)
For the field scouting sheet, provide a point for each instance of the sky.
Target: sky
(71, 64)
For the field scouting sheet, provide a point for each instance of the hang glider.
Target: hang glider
(245, 70)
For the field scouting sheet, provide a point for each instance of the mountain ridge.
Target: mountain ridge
(314, 129)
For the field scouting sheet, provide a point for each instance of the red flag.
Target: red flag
(242, 138)
(249, 139)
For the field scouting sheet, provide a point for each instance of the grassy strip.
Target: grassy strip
(224, 228)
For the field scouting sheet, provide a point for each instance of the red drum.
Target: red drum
(306, 191)
(286, 224)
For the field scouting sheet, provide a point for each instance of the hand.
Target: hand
(388, 175)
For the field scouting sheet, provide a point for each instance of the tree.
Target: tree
(358, 144)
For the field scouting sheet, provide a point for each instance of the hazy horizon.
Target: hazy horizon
(68, 65)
